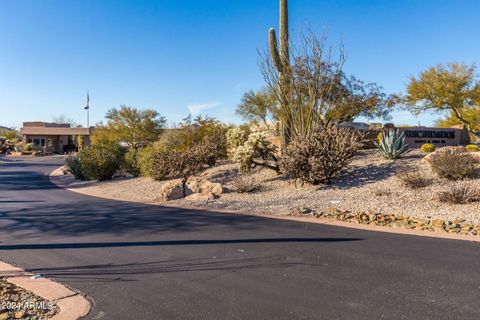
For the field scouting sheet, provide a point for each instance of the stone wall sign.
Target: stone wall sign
(417, 136)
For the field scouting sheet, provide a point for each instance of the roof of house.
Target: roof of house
(52, 129)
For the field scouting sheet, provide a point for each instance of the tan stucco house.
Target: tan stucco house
(54, 137)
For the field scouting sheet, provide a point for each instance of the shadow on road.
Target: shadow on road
(121, 272)
(168, 243)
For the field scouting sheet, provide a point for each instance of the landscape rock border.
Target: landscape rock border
(406, 222)
(72, 304)
(331, 217)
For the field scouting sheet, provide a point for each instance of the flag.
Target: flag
(88, 102)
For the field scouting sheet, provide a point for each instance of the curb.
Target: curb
(60, 180)
(72, 304)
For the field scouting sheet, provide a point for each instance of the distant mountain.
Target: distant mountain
(2, 128)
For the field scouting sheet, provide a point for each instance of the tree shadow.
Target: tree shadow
(122, 272)
(105, 217)
(24, 180)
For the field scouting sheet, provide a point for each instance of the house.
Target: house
(55, 137)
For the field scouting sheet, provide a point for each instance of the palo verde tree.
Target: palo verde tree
(132, 126)
(259, 107)
(453, 88)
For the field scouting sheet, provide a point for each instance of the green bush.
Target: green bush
(427, 148)
(73, 165)
(101, 161)
(131, 162)
(28, 147)
(453, 163)
(322, 156)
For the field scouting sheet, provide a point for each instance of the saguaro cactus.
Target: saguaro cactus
(281, 58)
(280, 55)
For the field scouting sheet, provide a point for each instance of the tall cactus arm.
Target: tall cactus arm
(274, 50)
(284, 34)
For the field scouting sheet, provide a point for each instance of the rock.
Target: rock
(172, 190)
(200, 197)
(304, 210)
(400, 224)
(437, 223)
(199, 185)
(19, 314)
(4, 316)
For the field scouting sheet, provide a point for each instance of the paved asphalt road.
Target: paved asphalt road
(147, 262)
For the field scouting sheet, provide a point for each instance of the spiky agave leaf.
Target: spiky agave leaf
(393, 145)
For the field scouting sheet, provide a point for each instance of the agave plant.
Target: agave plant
(392, 144)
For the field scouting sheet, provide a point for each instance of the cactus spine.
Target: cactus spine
(280, 54)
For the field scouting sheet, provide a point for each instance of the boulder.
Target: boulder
(172, 190)
(199, 185)
(200, 197)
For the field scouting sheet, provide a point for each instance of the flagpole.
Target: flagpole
(87, 107)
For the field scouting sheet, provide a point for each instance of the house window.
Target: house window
(49, 143)
(39, 142)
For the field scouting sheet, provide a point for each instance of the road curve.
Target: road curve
(148, 262)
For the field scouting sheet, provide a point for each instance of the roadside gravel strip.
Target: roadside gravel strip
(145, 190)
(28, 296)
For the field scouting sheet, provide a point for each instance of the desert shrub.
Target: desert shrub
(322, 156)
(392, 145)
(459, 194)
(413, 179)
(237, 136)
(101, 161)
(427, 148)
(207, 131)
(131, 162)
(28, 147)
(251, 149)
(73, 166)
(453, 163)
(473, 148)
(165, 163)
(144, 158)
(245, 184)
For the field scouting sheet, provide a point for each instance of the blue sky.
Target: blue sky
(201, 56)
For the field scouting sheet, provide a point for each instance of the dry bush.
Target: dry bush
(321, 156)
(167, 164)
(453, 163)
(459, 194)
(245, 184)
(413, 179)
(163, 164)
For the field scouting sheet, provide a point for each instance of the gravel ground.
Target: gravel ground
(17, 303)
(370, 184)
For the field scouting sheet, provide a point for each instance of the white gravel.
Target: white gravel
(369, 185)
